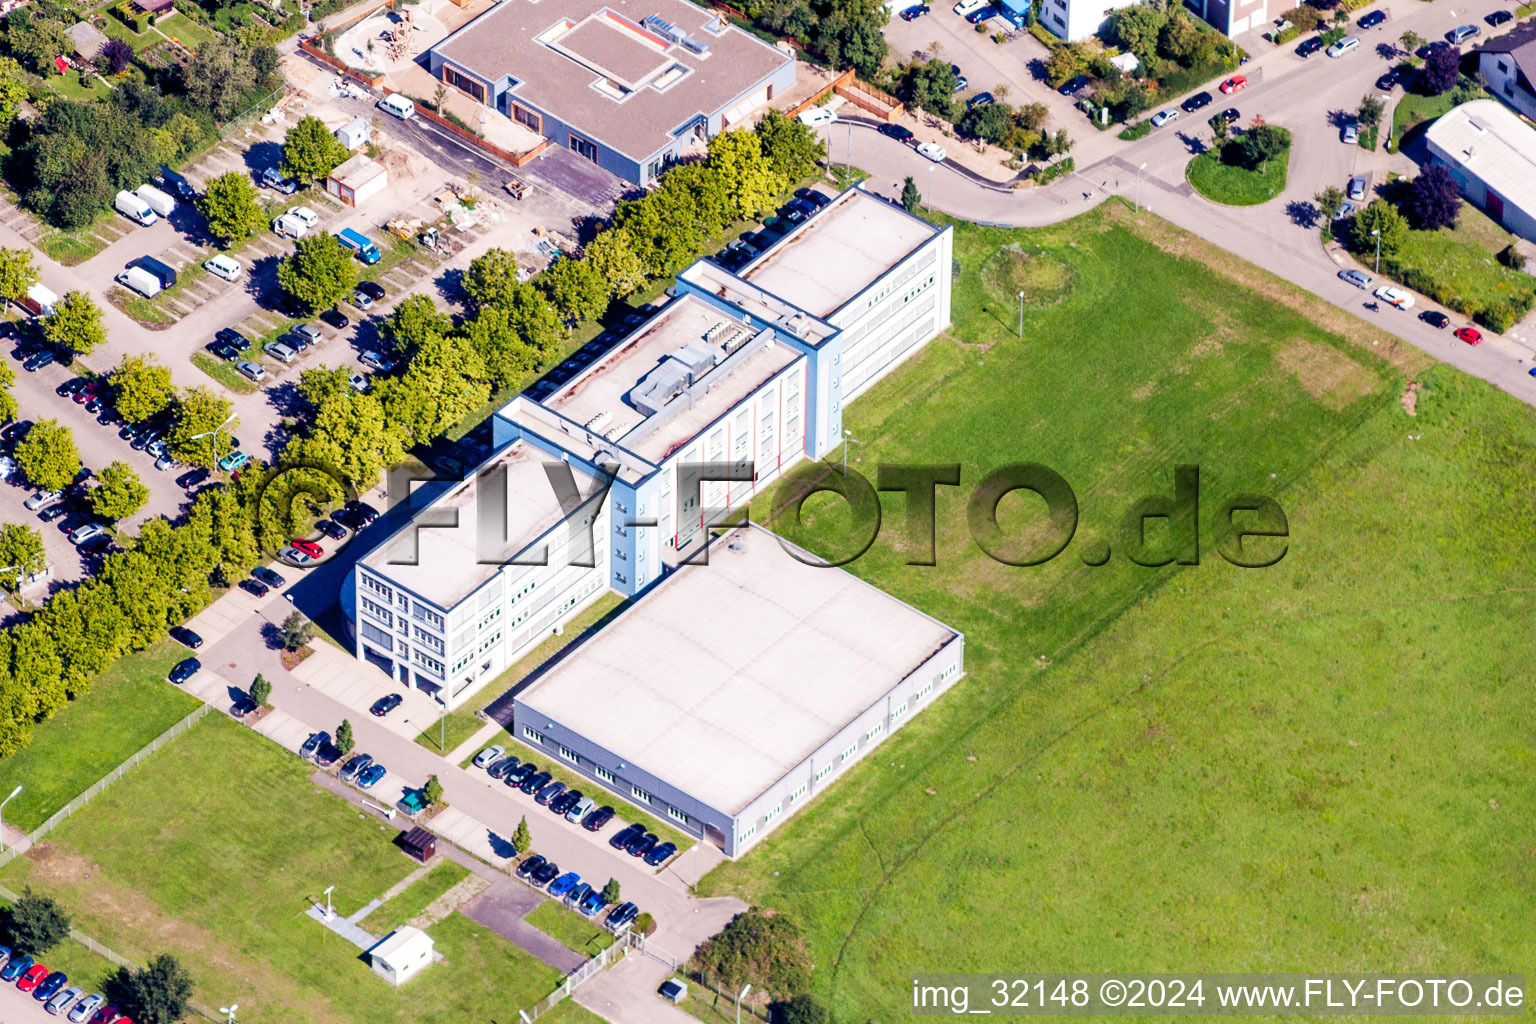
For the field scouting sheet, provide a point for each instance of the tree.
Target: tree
(230, 205)
(931, 88)
(414, 322)
(749, 179)
(1370, 110)
(1434, 199)
(852, 36)
(1262, 143)
(612, 255)
(790, 145)
(119, 492)
(576, 290)
(350, 434)
(911, 198)
(769, 952)
(75, 323)
(13, 90)
(116, 55)
(21, 549)
(344, 741)
(261, 690)
(1410, 41)
(199, 414)
(522, 839)
(36, 923)
(1137, 29)
(17, 272)
(801, 1008)
(158, 994)
(432, 791)
(446, 380)
(224, 76)
(1382, 217)
(1065, 62)
(611, 891)
(491, 278)
(143, 387)
(297, 631)
(9, 408)
(987, 121)
(1442, 70)
(1329, 202)
(48, 457)
(311, 151)
(319, 272)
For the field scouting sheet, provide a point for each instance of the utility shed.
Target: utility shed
(357, 180)
(419, 843)
(402, 955)
(87, 39)
(354, 133)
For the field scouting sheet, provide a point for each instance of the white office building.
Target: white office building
(1491, 153)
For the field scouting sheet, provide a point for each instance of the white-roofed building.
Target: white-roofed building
(403, 954)
(1492, 154)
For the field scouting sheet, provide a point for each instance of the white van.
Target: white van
(290, 226)
(156, 200)
(141, 281)
(398, 106)
(1343, 46)
(966, 8)
(223, 266)
(134, 208)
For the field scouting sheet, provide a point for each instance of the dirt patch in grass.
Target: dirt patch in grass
(466, 890)
(1329, 376)
(1043, 279)
(1410, 398)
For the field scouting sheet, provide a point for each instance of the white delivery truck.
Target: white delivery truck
(141, 281)
(135, 209)
(158, 201)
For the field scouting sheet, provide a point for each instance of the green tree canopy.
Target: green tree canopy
(13, 90)
(414, 322)
(612, 255)
(911, 198)
(352, 435)
(119, 492)
(792, 147)
(21, 546)
(229, 203)
(201, 411)
(522, 839)
(297, 632)
(767, 951)
(311, 151)
(491, 279)
(48, 456)
(344, 740)
(575, 289)
(261, 690)
(750, 182)
(18, 272)
(143, 387)
(158, 994)
(1329, 202)
(931, 88)
(1382, 216)
(432, 791)
(319, 272)
(36, 923)
(9, 408)
(75, 323)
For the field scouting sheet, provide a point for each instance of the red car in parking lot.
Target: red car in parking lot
(309, 547)
(1233, 84)
(88, 392)
(1470, 335)
(34, 977)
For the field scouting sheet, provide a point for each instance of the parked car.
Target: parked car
(545, 873)
(817, 116)
(1348, 44)
(241, 706)
(40, 499)
(489, 756)
(1470, 335)
(225, 350)
(32, 977)
(235, 460)
(371, 775)
(659, 855)
(966, 8)
(312, 745)
(984, 15)
(384, 705)
(87, 1006)
(981, 99)
(933, 151)
(268, 577)
(272, 178)
(1358, 278)
(1372, 19)
(280, 351)
(1163, 117)
(812, 196)
(1389, 80)
(592, 903)
(621, 839)
(641, 845)
(331, 530)
(519, 775)
(565, 801)
(62, 1000)
(1357, 186)
(579, 893)
(897, 132)
(1196, 102)
(1394, 296)
(185, 670)
(579, 809)
(353, 768)
(309, 547)
(1435, 319)
(185, 637)
(191, 478)
(51, 986)
(254, 588)
(1309, 46)
(621, 916)
(533, 783)
(1498, 18)
(376, 361)
(564, 884)
(372, 289)
(1230, 116)
(502, 768)
(16, 967)
(1234, 84)
(1462, 33)
(549, 792)
(530, 865)
(224, 266)
(252, 371)
(1074, 85)
(1351, 134)
(914, 12)
(598, 819)
(53, 513)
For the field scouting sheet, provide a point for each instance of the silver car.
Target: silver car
(252, 371)
(489, 756)
(87, 1006)
(279, 351)
(1357, 187)
(1358, 278)
(1163, 117)
(40, 499)
(61, 1000)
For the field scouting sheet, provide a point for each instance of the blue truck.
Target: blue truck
(359, 244)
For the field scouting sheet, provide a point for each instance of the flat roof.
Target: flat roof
(1490, 141)
(839, 252)
(601, 396)
(598, 66)
(728, 675)
(448, 565)
(357, 169)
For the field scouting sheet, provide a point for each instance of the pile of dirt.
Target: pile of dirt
(403, 164)
(1410, 399)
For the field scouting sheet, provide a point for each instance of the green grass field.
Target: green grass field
(1460, 263)
(1316, 766)
(216, 846)
(567, 926)
(127, 706)
(1218, 177)
(445, 874)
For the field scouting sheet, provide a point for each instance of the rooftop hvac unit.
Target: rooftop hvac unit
(598, 422)
(695, 45)
(662, 28)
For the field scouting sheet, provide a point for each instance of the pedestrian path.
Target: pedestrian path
(482, 736)
(343, 927)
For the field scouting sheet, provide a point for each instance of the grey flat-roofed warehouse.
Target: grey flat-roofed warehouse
(730, 681)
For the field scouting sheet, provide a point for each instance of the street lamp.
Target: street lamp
(848, 439)
(1377, 235)
(1021, 316)
(230, 1009)
(7, 800)
(744, 990)
(1138, 185)
(214, 433)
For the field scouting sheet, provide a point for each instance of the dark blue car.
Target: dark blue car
(50, 986)
(16, 968)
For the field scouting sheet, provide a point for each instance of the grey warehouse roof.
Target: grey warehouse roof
(561, 55)
(1490, 141)
(728, 675)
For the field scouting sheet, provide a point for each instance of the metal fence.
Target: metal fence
(58, 817)
(626, 942)
(719, 993)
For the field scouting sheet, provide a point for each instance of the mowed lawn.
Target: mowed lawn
(1321, 765)
(127, 706)
(215, 847)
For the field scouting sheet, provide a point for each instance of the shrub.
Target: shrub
(767, 951)
(1050, 172)
(1498, 318)
(1512, 258)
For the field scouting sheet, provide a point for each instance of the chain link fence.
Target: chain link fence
(627, 941)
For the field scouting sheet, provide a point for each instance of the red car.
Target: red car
(105, 1015)
(1470, 335)
(88, 392)
(310, 548)
(34, 977)
(1234, 83)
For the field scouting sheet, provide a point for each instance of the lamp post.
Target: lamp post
(848, 439)
(330, 911)
(214, 433)
(744, 990)
(1021, 315)
(1377, 235)
(1138, 185)
(7, 800)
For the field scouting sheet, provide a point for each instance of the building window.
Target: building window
(746, 833)
(528, 118)
(898, 710)
(878, 728)
(583, 147)
(773, 812)
(489, 617)
(376, 586)
(570, 755)
(847, 755)
(604, 774)
(429, 662)
(950, 671)
(431, 618)
(640, 794)
(529, 734)
(797, 794)
(823, 772)
(677, 815)
(925, 691)
(620, 577)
